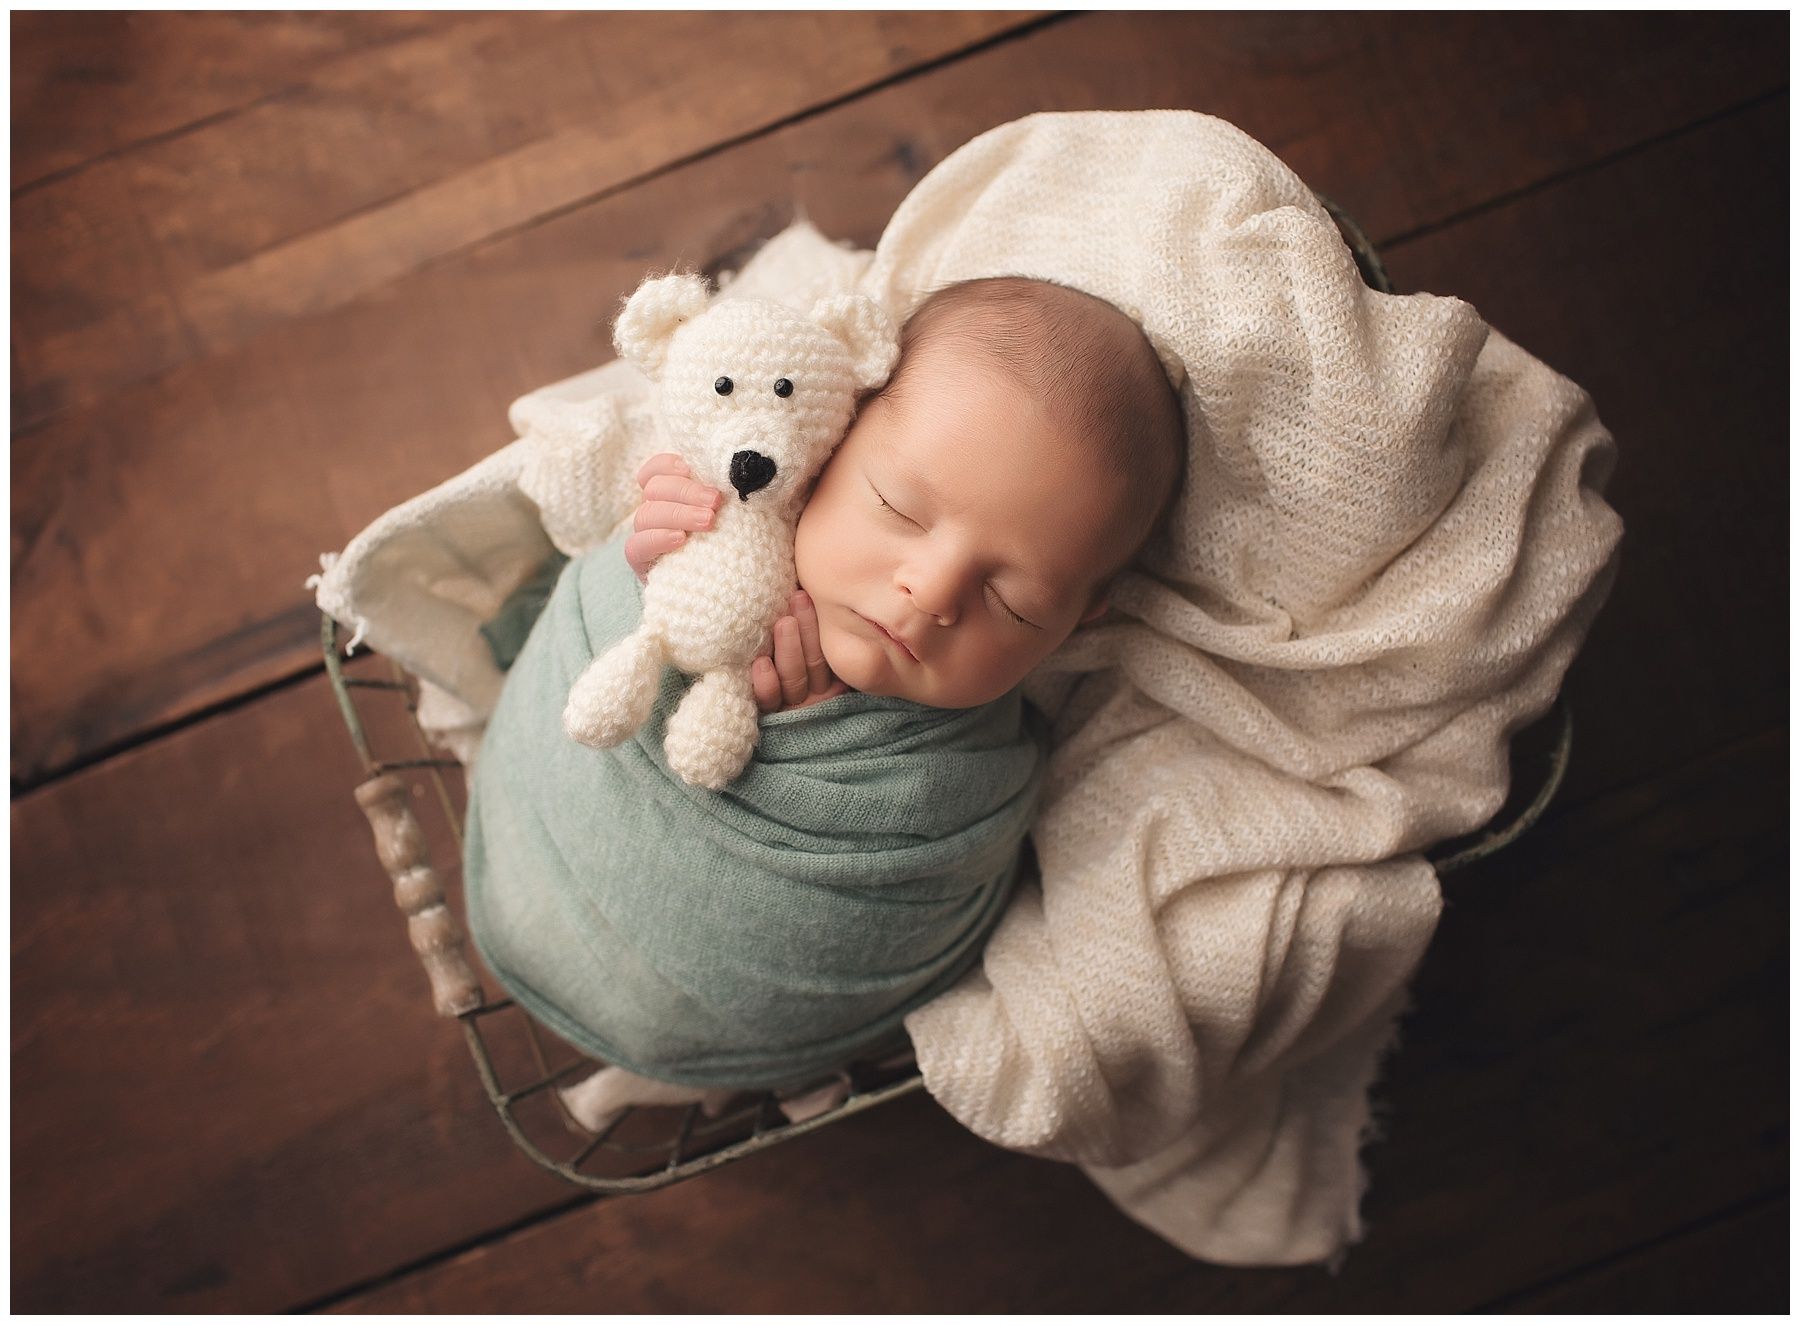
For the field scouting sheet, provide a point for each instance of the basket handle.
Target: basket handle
(1501, 838)
(436, 935)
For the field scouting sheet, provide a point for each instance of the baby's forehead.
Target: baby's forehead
(1092, 378)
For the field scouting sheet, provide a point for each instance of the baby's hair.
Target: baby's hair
(1091, 366)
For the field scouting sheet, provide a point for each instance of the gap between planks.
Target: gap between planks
(1556, 178)
(1519, 1302)
(488, 1238)
(21, 790)
(720, 146)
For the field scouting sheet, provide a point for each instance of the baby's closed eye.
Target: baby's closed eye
(1000, 602)
(888, 508)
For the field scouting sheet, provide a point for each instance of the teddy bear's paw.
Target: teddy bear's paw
(612, 698)
(798, 1107)
(597, 1101)
(713, 731)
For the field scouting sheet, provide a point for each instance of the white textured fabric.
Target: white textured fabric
(418, 584)
(1389, 546)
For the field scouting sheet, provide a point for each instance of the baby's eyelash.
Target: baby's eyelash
(1004, 608)
(988, 588)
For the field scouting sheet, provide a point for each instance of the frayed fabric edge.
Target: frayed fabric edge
(1372, 1130)
(316, 581)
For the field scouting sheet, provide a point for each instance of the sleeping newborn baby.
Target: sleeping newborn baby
(1021, 453)
(1019, 456)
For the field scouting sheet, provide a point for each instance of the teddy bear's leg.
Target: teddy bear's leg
(713, 731)
(797, 1108)
(596, 1101)
(611, 699)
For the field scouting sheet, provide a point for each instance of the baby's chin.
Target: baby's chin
(860, 664)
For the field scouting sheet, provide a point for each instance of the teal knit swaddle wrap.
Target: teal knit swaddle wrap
(752, 937)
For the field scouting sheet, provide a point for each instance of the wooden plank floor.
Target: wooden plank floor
(273, 273)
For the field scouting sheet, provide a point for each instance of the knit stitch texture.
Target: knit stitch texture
(1387, 550)
(709, 605)
(1390, 544)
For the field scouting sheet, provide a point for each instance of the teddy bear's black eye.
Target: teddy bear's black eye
(723, 386)
(783, 387)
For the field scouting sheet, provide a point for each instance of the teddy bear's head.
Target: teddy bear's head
(753, 394)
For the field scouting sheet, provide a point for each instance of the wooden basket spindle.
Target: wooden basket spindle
(436, 936)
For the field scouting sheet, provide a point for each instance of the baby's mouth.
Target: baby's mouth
(889, 635)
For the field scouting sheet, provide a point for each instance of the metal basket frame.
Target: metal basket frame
(696, 1143)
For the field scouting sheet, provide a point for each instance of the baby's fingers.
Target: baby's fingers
(671, 515)
(818, 674)
(665, 463)
(644, 547)
(682, 491)
(765, 684)
(790, 662)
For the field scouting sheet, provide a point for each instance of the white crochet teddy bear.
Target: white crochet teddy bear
(753, 396)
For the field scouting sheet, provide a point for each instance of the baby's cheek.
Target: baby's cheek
(854, 661)
(982, 675)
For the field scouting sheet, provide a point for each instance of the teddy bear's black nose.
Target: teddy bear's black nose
(750, 470)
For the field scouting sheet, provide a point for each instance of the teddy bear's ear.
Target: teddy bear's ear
(866, 331)
(651, 315)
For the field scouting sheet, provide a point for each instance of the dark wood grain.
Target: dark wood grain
(1736, 1264)
(88, 84)
(1592, 1056)
(235, 470)
(230, 1091)
(1557, 1097)
(1647, 281)
(375, 164)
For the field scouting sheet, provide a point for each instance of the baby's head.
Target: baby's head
(1021, 454)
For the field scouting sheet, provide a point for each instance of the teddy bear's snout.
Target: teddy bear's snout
(750, 471)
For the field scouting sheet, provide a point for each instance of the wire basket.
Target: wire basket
(644, 1148)
(647, 1147)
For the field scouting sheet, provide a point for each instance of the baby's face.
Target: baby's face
(954, 539)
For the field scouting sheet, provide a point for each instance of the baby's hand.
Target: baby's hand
(797, 674)
(673, 504)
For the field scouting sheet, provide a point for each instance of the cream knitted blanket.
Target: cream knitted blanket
(1389, 546)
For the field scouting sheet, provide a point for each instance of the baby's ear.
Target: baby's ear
(651, 315)
(866, 331)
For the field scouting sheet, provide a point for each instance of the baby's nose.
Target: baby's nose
(750, 470)
(933, 595)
